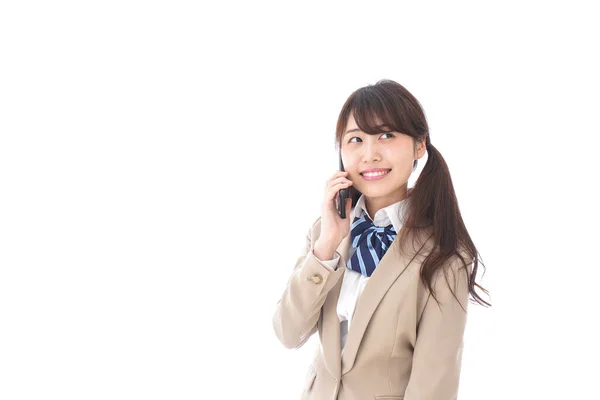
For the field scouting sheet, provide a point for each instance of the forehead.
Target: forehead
(351, 122)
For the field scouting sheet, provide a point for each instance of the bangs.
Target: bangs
(374, 113)
(383, 107)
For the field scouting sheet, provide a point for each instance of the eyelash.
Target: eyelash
(385, 133)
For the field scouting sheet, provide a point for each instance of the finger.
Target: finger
(338, 181)
(338, 174)
(335, 189)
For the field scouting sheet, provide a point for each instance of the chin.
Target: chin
(376, 193)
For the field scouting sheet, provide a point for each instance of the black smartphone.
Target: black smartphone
(343, 194)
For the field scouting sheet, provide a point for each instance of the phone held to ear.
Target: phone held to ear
(343, 194)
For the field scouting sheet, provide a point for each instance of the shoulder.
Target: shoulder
(421, 245)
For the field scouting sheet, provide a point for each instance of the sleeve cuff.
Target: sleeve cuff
(332, 264)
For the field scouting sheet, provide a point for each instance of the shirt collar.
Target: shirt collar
(385, 216)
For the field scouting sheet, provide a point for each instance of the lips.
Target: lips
(375, 170)
(375, 177)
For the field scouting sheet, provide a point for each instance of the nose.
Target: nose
(371, 152)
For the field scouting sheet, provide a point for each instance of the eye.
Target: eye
(356, 137)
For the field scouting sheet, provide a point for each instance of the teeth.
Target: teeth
(375, 173)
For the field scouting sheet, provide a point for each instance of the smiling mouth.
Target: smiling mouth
(375, 176)
(383, 170)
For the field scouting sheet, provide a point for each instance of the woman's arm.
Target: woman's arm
(299, 308)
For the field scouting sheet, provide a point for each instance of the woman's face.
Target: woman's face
(388, 150)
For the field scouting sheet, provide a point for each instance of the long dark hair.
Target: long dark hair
(432, 205)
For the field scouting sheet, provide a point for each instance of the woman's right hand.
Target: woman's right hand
(334, 228)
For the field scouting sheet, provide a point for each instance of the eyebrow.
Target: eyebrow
(351, 130)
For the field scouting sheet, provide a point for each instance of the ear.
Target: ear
(420, 149)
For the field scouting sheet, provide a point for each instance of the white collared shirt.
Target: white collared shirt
(353, 283)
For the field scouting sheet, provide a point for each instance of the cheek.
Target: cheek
(402, 157)
(351, 162)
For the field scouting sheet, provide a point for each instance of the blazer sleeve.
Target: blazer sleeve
(299, 309)
(437, 353)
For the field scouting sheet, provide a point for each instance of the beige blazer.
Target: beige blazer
(400, 345)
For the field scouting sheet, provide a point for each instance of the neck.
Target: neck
(374, 204)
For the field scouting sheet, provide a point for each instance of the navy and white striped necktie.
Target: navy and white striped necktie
(371, 242)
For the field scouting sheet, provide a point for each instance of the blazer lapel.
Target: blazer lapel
(389, 269)
(391, 266)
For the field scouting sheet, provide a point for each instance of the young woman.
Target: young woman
(387, 287)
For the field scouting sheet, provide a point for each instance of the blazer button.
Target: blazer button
(316, 279)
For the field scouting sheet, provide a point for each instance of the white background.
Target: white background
(161, 162)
